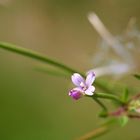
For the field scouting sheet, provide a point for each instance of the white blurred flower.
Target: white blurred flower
(125, 49)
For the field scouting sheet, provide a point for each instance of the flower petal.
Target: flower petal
(90, 78)
(75, 94)
(90, 90)
(77, 79)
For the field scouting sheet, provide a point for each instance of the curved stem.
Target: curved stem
(99, 103)
(42, 58)
(35, 55)
(95, 133)
(102, 84)
(108, 96)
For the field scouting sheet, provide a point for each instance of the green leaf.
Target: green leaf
(103, 113)
(123, 120)
(125, 95)
(137, 76)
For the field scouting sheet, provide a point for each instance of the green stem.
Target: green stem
(40, 57)
(99, 103)
(95, 133)
(108, 96)
(104, 86)
(35, 55)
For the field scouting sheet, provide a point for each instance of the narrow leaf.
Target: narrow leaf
(123, 120)
(125, 95)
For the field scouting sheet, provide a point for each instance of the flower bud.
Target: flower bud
(135, 106)
(75, 94)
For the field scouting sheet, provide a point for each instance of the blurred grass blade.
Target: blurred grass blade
(95, 133)
(35, 55)
(137, 76)
(100, 131)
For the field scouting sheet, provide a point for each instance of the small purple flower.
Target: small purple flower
(83, 86)
(75, 94)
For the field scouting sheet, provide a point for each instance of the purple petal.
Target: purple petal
(90, 78)
(75, 94)
(90, 90)
(77, 79)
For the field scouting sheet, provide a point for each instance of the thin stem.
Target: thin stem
(99, 103)
(95, 133)
(134, 116)
(100, 131)
(108, 96)
(35, 55)
(42, 58)
(102, 84)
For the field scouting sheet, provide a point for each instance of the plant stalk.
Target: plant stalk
(109, 96)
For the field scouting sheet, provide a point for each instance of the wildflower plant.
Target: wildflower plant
(126, 105)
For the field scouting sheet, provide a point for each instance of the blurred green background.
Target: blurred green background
(34, 105)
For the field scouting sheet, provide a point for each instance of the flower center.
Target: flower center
(83, 86)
